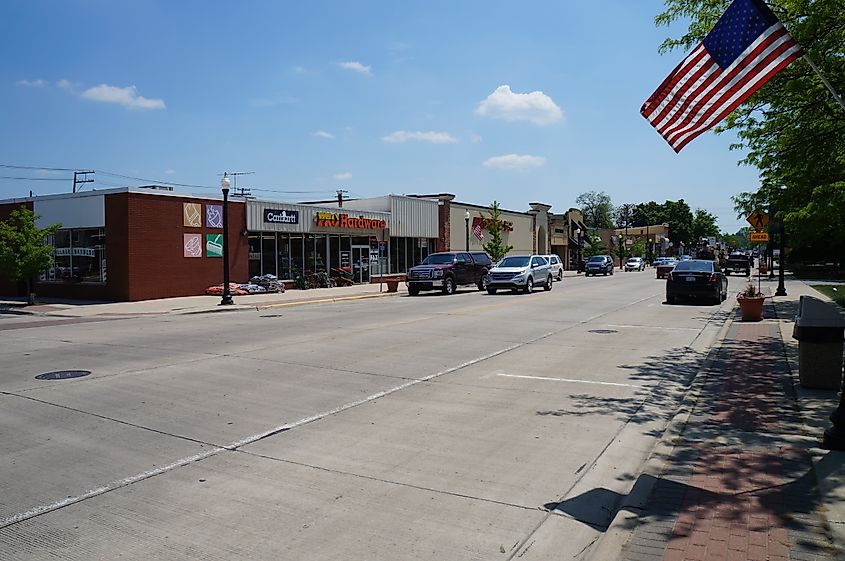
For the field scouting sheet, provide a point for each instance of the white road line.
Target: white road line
(657, 327)
(570, 380)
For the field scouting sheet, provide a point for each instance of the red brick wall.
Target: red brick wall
(156, 266)
(444, 224)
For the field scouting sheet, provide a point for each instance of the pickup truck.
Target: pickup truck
(738, 262)
(447, 271)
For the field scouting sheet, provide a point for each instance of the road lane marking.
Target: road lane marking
(657, 327)
(570, 380)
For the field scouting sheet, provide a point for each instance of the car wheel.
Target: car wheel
(482, 284)
(413, 291)
(448, 285)
(548, 285)
(611, 272)
(670, 299)
(560, 275)
(529, 286)
(491, 290)
(748, 273)
(727, 273)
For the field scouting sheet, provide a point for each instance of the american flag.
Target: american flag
(745, 49)
(476, 227)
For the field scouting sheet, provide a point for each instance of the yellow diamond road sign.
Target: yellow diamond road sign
(758, 220)
(759, 237)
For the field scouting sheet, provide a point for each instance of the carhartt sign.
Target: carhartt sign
(275, 216)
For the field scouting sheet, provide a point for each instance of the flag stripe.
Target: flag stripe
(706, 69)
(778, 65)
(713, 102)
(658, 99)
(737, 73)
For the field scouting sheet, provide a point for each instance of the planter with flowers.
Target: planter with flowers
(751, 303)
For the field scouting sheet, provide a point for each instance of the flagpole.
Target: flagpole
(835, 95)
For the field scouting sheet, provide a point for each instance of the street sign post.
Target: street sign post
(758, 220)
(759, 237)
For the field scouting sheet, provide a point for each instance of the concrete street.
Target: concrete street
(436, 427)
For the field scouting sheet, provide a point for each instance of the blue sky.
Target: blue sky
(513, 101)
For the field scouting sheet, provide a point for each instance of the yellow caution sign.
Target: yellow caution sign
(758, 237)
(758, 220)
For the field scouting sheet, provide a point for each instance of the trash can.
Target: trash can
(819, 328)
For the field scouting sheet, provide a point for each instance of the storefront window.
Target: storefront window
(401, 255)
(296, 253)
(284, 256)
(254, 255)
(78, 256)
(268, 254)
(322, 253)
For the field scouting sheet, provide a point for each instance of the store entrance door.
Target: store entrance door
(361, 263)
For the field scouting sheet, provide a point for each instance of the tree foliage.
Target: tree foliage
(596, 208)
(496, 248)
(23, 253)
(704, 225)
(791, 129)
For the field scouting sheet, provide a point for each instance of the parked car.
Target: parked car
(696, 278)
(599, 264)
(520, 272)
(556, 266)
(635, 264)
(664, 265)
(447, 271)
(684, 257)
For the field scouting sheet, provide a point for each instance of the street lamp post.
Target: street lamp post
(466, 219)
(781, 290)
(224, 186)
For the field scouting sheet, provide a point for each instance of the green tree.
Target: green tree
(704, 225)
(679, 217)
(791, 129)
(594, 246)
(496, 248)
(647, 214)
(596, 208)
(23, 252)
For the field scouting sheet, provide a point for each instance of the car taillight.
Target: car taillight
(670, 276)
(713, 277)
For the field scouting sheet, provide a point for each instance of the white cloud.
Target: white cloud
(430, 136)
(515, 162)
(535, 107)
(343, 176)
(322, 134)
(170, 172)
(65, 85)
(356, 66)
(31, 83)
(127, 97)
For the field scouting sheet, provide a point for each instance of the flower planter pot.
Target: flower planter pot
(751, 307)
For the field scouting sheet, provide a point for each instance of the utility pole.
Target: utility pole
(77, 181)
(340, 193)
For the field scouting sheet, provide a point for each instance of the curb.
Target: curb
(623, 525)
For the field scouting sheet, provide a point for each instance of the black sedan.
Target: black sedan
(696, 278)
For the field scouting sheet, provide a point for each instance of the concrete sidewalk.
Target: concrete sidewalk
(195, 304)
(739, 474)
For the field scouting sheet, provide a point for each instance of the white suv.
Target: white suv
(556, 266)
(635, 264)
(520, 272)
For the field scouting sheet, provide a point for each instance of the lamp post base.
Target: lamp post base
(781, 291)
(227, 300)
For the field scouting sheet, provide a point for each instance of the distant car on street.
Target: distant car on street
(635, 264)
(556, 266)
(684, 257)
(520, 272)
(664, 265)
(697, 278)
(599, 264)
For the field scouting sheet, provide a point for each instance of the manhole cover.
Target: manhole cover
(63, 374)
(603, 331)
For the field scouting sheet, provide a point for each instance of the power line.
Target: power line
(35, 178)
(37, 168)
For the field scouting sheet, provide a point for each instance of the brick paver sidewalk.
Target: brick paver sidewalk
(734, 489)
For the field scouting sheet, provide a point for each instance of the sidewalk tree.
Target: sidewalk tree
(23, 252)
(596, 208)
(496, 248)
(704, 225)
